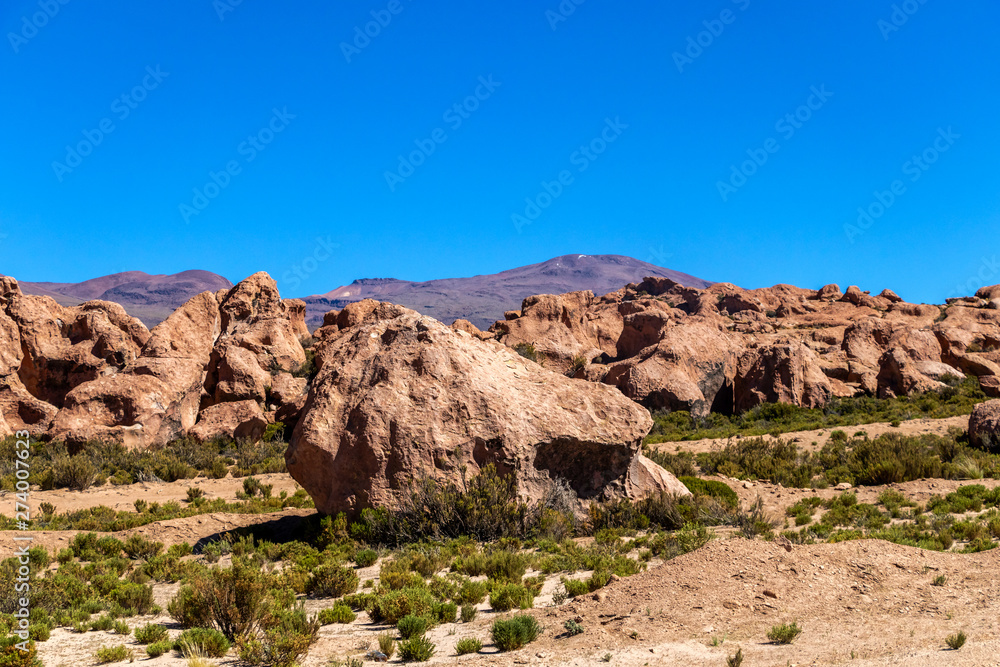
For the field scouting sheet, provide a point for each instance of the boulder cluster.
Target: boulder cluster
(556, 394)
(728, 349)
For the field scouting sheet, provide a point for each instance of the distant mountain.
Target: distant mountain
(150, 298)
(483, 299)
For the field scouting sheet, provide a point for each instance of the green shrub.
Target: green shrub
(102, 623)
(468, 645)
(360, 601)
(573, 628)
(468, 613)
(121, 628)
(339, 613)
(387, 644)
(527, 350)
(134, 599)
(73, 472)
(150, 633)
(411, 626)
(394, 605)
(189, 608)
(235, 597)
(137, 547)
(956, 641)
(107, 654)
(158, 648)
(511, 596)
(515, 632)
(366, 557)
(12, 656)
(784, 633)
(416, 649)
(287, 638)
(202, 641)
(713, 489)
(444, 612)
(333, 581)
(472, 592)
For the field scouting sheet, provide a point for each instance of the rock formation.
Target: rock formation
(400, 396)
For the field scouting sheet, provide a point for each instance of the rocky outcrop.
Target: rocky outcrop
(239, 420)
(401, 397)
(788, 373)
(984, 426)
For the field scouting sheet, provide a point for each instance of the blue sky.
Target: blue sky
(590, 128)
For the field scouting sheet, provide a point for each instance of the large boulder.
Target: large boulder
(239, 419)
(686, 369)
(400, 397)
(780, 373)
(984, 426)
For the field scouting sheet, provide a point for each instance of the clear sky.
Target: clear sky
(243, 136)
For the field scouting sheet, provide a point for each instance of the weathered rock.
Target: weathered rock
(990, 384)
(685, 370)
(782, 373)
(156, 398)
(400, 397)
(989, 292)
(829, 292)
(890, 296)
(984, 426)
(239, 420)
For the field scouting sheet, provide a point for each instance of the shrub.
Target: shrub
(514, 633)
(387, 644)
(468, 645)
(189, 608)
(411, 626)
(73, 472)
(416, 649)
(394, 605)
(468, 613)
(735, 660)
(573, 628)
(784, 633)
(102, 623)
(366, 557)
(527, 350)
(445, 612)
(150, 633)
(156, 649)
(137, 547)
(713, 489)
(510, 596)
(235, 598)
(108, 546)
(12, 656)
(107, 654)
(333, 581)
(135, 599)
(202, 642)
(338, 613)
(956, 641)
(194, 493)
(288, 636)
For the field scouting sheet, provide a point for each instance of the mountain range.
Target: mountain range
(480, 299)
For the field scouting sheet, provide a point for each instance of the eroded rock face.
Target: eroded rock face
(238, 419)
(984, 426)
(400, 396)
(788, 373)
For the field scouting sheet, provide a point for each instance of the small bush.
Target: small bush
(472, 592)
(468, 613)
(134, 599)
(137, 547)
(390, 607)
(411, 626)
(366, 557)
(511, 596)
(150, 633)
(333, 581)
(416, 649)
(156, 649)
(956, 641)
(784, 633)
(444, 612)
(573, 628)
(514, 633)
(107, 654)
(527, 350)
(339, 613)
(939, 580)
(11, 656)
(202, 641)
(735, 660)
(387, 644)
(468, 645)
